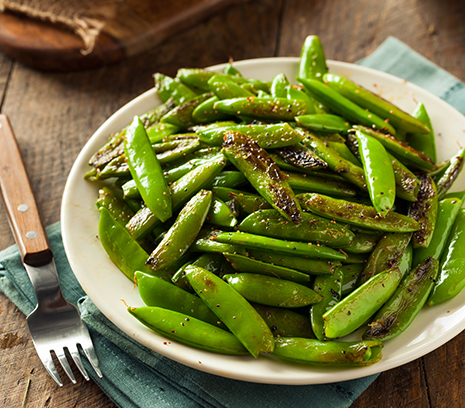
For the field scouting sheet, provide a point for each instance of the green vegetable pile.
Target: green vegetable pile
(260, 216)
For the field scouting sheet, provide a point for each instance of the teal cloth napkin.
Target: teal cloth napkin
(136, 377)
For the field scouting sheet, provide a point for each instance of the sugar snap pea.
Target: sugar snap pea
(424, 143)
(168, 88)
(362, 243)
(293, 93)
(181, 115)
(323, 123)
(278, 86)
(312, 63)
(350, 275)
(205, 112)
(120, 211)
(220, 214)
(450, 175)
(315, 184)
(300, 158)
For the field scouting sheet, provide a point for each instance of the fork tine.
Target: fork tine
(73, 350)
(64, 363)
(89, 351)
(47, 361)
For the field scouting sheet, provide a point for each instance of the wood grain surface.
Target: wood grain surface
(53, 115)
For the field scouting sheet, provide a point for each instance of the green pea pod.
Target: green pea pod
(312, 63)
(220, 214)
(159, 293)
(315, 184)
(230, 70)
(156, 133)
(345, 107)
(343, 167)
(324, 353)
(330, 288)
(118, 167)
(314, 251)
(204, 243)
(205, 112)
(422, 142)
(355, 259)
(181, 116)
(233, 310)
(294, 93)
(249, 203)
(356, 214)
(368, 100)
(273, 109)
(267, 136)
(387, 254)
(188, 330)
(352, 311)
(270, 291)
(243, 263)
(362, 243)
(181, 191)
(182, 234)
(406, 302)
(401, 150)
(456, 194)
(169, 88)
(262, 173)
(450, 175)
(278, 86)
(224, 88)
(323, 123)
(312, 228)
(122, 249)
(300, 158)
(343, 151)
(424, 210)
(302, 264)
(447, 213)
(146, 171)
(118, 209)
(378, 173)
(230, 179)
(405, 263)
(195, 77)
(350, 274)
(170, 151)
(451, 279)
(285, 322)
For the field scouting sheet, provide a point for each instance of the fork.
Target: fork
(55, 324)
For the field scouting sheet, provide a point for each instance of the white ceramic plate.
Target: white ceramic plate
(106, 285)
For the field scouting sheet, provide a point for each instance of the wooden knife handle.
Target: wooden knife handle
(21, 206)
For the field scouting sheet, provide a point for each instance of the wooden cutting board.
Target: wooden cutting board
(134, 27)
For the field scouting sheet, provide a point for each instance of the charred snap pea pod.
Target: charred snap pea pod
(387, 254)
(345, 107)
(285, 322)
(323, 123)
(262, 173)
(302, 264)
(168, 152)
(352, 311)
(312, 63)
(181, 116)
(379, 174)
(116, 207)
(233, 310)
(243, 263)
(343, 167)
(301, 158)
(447, 213)
(424, 210)
(330, 288)
(401, 150)
(450, 175)
(267, 136)
(406, 302)
(181, 191)
(169, 88)
(270, 291)
(278, 86)
(424, 143)
(157, 292)
(350, 275)
(362, 243)
(356, 214)
(279, 246)
(146, 171)
(263, 108)
(125, 253)
(315, 184)
(343, 151)
(188, 330)
(334, 353)
(249, 203)
(182, 234)
(220, 214)
(451, 279)
(398, 118)
(312, 228)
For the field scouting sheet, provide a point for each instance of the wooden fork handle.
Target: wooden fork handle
(21, 206)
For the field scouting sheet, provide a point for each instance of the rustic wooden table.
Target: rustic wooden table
(54, 114)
